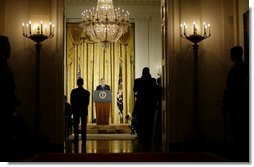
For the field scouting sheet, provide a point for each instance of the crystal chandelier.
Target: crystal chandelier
(104, 23)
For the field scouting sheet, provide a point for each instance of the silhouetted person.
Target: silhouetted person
(8, 99)
(68, 123)
(102, 85)
(145, 90)
(79, 104)
(68, 117)
(158, 124)
(236, 101)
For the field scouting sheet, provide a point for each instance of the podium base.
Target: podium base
(102, 113)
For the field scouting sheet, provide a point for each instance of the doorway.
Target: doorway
(88, 60)
(92, 62)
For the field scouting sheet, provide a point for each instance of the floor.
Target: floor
(116, 138)
(107, 146)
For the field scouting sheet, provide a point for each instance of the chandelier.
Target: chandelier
(104, 23)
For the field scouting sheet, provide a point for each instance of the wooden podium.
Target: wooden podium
(102, 99)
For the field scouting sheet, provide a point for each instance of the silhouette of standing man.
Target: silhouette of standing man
(8, 99)
(79, 104)
(236, 101)
(145, 90)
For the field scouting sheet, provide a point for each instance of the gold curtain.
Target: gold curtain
(92, 62)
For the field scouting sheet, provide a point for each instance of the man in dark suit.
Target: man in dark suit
(103, 86)
(79, 104)
(236, 102)
(8, 101)
(145, 90)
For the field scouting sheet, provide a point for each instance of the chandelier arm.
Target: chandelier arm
(95, 34)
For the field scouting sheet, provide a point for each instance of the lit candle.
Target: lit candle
(128, 15)
(181, 27)
(30, 28)
(118, 12)
(23, 27)
(53, 29)
(87, 14)
(204, 28)
(38, 30)
(106, 13)
(115, 13)
(90, 13)
(97, 13)
(41, 27)
(50, 28)
(26, 29)
(194, 28)
(209, 29)
(184, 25)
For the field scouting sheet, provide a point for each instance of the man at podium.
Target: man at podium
(103, 86)
(102, 99)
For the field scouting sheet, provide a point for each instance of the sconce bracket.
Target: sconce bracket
(195, 38)
(38, 38)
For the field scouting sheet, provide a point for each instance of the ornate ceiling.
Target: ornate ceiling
(130, 2)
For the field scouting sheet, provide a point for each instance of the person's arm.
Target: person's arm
(136, 85)
(72, 98)
(88, 101)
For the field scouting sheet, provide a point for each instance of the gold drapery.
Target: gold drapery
(93, 63)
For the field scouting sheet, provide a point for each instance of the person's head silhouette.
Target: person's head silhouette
(5, 48)
(80, 82)
(236, 54)
(146, 73)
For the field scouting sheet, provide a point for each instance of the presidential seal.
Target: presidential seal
(102, 95)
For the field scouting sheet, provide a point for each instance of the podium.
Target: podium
(102, 99)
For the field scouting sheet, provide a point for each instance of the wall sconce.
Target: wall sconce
(195, 38)
(37, 33)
